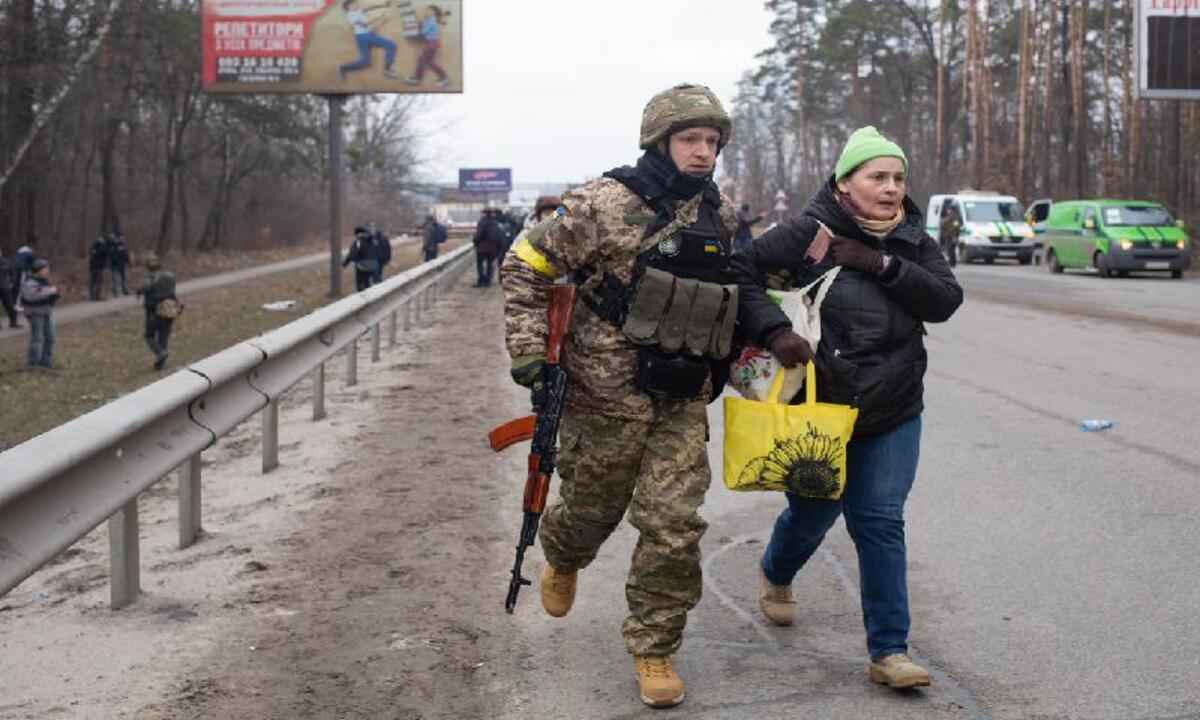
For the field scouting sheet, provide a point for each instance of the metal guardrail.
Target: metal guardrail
(59, 486)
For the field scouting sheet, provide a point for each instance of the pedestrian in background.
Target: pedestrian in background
(23, 267)
(871, 355)
(8, 287)
(118, 260)
(433, 234)
(383, 250)
(488, 240)
(38, 297)
(162, 307)
(97, 264)
(364, 255)
(543, 209)
(746, 220)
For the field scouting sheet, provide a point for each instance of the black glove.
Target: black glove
(789, 348)
(527, 371)
(852, 253)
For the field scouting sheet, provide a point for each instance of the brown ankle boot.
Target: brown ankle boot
(776, 601)
(658, 684)
(898, 671)
(558, 591)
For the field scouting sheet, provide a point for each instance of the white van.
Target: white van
(993, 226)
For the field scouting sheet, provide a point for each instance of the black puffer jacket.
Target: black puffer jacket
(872, 354)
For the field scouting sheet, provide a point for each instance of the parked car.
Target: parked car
(993, 226)
(1115, 237)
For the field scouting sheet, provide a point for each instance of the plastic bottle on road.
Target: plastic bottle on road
(1094, 425)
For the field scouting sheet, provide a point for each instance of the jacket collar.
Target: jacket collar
(824, 206)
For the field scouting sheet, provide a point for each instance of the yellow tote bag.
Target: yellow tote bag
(796, 448)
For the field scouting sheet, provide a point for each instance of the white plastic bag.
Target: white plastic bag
(752, 372)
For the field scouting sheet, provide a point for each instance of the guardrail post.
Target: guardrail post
(270, 436)
(125, 579)
(392, 329)
(376, 338)
(352, 363)
(319, 392)
(408, 311)
(190, 490)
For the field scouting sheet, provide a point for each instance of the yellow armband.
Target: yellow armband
(534, 258)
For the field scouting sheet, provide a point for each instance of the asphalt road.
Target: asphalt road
(1053, 572)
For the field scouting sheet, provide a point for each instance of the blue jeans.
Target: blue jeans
(41, 341)
(880, 470)
(365, 42)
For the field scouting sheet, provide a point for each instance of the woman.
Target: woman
(431, 36)
(871, 355)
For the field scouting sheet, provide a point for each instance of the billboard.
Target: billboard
(1167, 41)
(331, 46)
(485, 180)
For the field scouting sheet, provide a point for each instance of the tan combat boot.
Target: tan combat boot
(898, 671)
(776, 601)
(558, 591)
(658, 684)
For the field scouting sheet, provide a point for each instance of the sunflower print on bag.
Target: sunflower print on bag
(805, 464)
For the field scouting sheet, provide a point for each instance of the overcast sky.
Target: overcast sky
(554, 89)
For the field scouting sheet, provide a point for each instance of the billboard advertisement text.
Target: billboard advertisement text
(485, 179)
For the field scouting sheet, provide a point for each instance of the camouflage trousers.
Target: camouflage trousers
(658, 470)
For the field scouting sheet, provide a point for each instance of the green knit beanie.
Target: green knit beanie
(865, 144)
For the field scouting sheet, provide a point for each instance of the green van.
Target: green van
(1113, 236)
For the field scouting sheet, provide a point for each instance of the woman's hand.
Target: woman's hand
(855, 254)
(790, 349)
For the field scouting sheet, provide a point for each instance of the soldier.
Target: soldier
(633, 431)
(162, 307)
(949, 226)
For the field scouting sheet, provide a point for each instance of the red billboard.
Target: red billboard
(331, 46)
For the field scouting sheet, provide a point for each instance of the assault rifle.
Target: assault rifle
(542, 429)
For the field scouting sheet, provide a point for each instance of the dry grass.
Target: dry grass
(105, 358)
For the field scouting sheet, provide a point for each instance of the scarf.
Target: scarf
(664, 187)
(877, 228)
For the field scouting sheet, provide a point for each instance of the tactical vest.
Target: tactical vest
(679, 308)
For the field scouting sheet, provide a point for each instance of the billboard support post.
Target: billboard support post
(335, 195)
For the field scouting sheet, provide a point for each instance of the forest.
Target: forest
(1034, 98)
(104, 126)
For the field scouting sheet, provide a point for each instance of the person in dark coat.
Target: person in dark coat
(745, 221)
(162, 307)
(8, 278)
(433, 234)
(97, 264)
(365, 256)
(118, 261)
(383, 250)
(893, 281)
(38, 295)
(489, 239)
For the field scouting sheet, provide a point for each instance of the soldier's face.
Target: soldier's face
(694, 150)
(877, 187)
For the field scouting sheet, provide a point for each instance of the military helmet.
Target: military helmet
(683, 106)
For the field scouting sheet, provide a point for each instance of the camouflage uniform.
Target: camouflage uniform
(619, 447)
